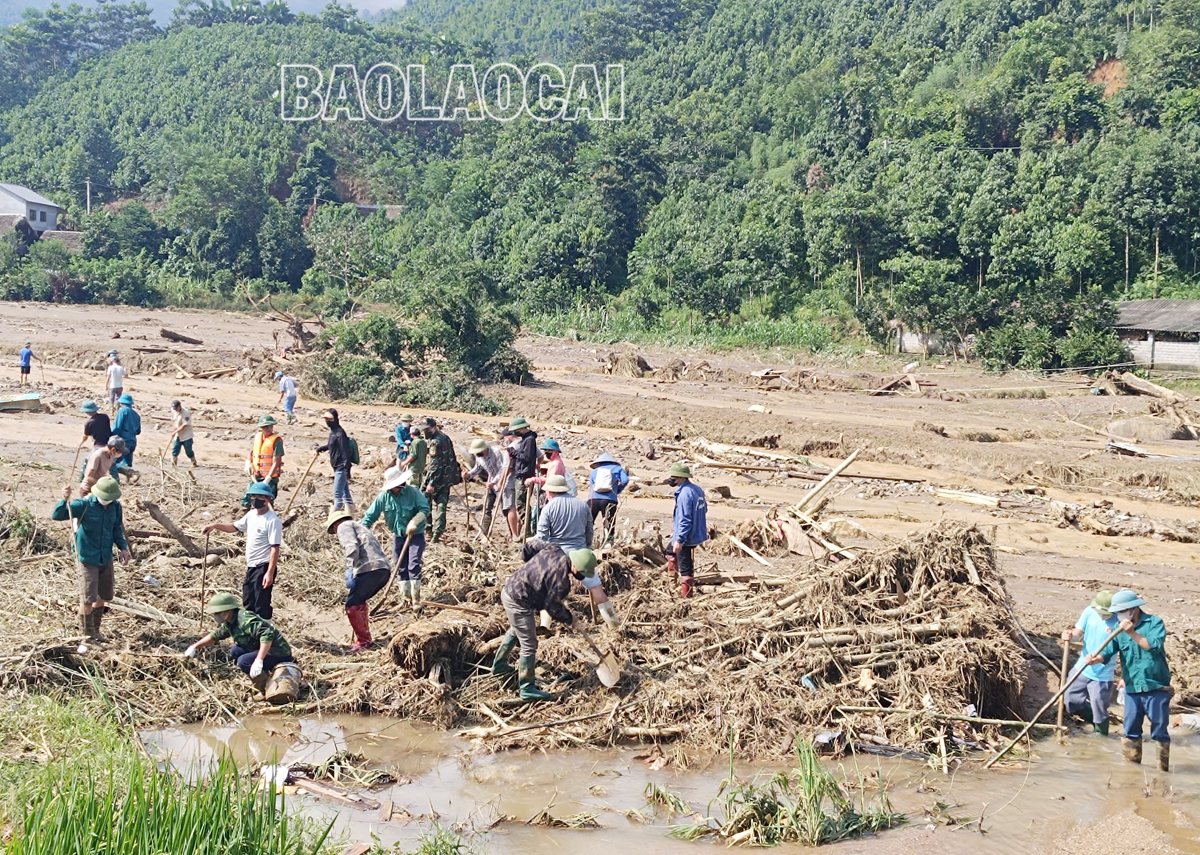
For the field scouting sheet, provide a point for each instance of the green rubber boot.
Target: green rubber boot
(500, 664)
(1101, 729)
(527, 671)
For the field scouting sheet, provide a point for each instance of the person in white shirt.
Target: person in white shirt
(115, 377)
(264, 537)
(182, 433)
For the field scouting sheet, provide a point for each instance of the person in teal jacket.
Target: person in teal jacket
(128, 426)
(101, 526)
(405, 509)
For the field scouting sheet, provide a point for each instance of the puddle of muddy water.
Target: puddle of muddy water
(1027, 807)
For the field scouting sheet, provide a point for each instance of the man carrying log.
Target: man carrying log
(542, 583)
(525, 456)
(264, 465)
(490, 461)
(367, 572)
(182, 434)
(605, 484)
(264, 537)
(257, 645)
(689, 526)
(405, 510)
(1089, 695)
(564, 521)
(1145, 672)
(101, 527)
(444, 474)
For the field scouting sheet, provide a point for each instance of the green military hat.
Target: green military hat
(268, 419)
(222, 603)
(107, 489)
(518, 423)
(680, 470)
(584, 560)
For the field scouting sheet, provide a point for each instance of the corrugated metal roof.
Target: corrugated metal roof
(28, 195)
(1177, 316)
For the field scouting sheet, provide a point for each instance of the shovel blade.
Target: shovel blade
(609, 671)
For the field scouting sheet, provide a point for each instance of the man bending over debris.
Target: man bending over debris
(690, 525)
(1145, 672)
(542, 583)
(367, 571)
(405, 510)
(264, 537)
(257, 645)
(101, 526)
(101, 462)
(1089, 694)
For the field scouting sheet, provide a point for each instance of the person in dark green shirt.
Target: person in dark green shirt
(99, 526)
(1145, 673)
(257, 645)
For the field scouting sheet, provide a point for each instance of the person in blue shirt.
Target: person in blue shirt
(26, 355)
(1089, 695)
(403, 437)
(288, 389)
(690, 525)
(605, 484)
(128, 426)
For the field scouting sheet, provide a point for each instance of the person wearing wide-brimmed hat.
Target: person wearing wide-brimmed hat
(257, 645)
(264, 538)
(101, 462)
(525, 454)
(1089, 695)
(607, 480)
(287, 395)
(98, 428)
(1145, 673)
(367, 571)
(689, 525)
(490, 462)
(128, 426)
(405, 510)
(565, 521)
(101, 527)
(264, 464)
(444, 473)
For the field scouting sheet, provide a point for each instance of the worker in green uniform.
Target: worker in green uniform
(257, 645)
(443, 474)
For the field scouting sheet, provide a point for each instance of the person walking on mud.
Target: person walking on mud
(542, 583)
(367, 571)
(689, 525)
(1089, 695)
(403, 435)
(101, 527)
(444, 473)
(1145, 672)
(418, 456)
(258, 647)
(114, 379)
(525, 456)
(182, 434)
(340, 459)
(405, 510)
(265, 462)
(128, 426)
(288, 390)
(25, 357)
(264, 537)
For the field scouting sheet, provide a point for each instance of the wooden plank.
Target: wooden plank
(746, 549)
(385, 812)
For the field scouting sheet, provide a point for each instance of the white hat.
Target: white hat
(396, 477)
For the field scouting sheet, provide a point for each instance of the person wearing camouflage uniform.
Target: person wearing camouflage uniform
(443, 473)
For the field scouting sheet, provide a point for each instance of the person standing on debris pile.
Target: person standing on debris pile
(490, 460)
(97, 427)
(404, 509)
(128, 426)
(25, 357)
(605, 484)
(265, 463)
(443, 474)
(101, 527)
(564, 521)
(367, 571)
(524, 465)
(403, 437)
(181, 434)
(542, 583)
(264, 537)
(418, 456)
(115, 379)
(341, 458)
(1089, 695)
(1145, 672)
(288, 389)
(101, 462)
(258, 647)
(690, 524)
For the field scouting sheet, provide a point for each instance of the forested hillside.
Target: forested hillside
(788, 172)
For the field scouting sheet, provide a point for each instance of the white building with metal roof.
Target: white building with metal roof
(40, 212)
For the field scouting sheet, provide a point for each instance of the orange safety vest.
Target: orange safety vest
(262, 455)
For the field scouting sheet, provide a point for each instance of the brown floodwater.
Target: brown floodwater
(1027, 807)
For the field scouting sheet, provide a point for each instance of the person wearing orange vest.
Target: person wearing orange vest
(265, 463)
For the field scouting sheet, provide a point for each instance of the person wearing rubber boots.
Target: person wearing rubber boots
(1089, 695)
(265, 462)
(690, 525)
(1145, 672)
(264, 537)
(101, 527)
(367, 571)
(542, 583)
(442, 475)
(258, 647)
(525, 455)
(405, 510)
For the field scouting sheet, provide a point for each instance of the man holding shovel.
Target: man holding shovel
(490, 461)
(405, 509)
(264, 537)
(542, 583)
(1089, 695)
(1145, 672)
(367, 571)
(257, 645)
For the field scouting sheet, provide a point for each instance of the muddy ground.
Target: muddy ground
(1072, 517)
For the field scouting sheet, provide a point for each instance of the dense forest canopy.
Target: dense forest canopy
(788, 172)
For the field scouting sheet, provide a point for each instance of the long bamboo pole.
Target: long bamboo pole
(303, 478)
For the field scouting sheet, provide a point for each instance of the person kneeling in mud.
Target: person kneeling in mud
(542, 583)
(258, 647)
